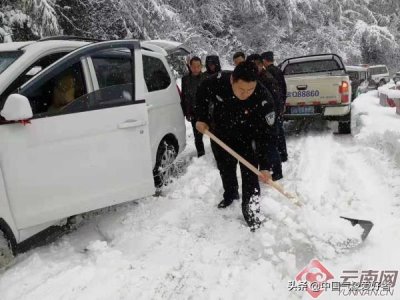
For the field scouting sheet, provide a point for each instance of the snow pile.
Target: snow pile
(393, 94)
(385, 89)
(378, 127)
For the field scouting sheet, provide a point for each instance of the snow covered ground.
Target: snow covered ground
(180, 246)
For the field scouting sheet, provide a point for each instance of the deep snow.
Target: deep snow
(180, 246)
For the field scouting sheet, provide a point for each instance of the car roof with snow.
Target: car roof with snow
(38, 45)
(32, 50)
(163, 47)
(377, 66)
(356, 68)
(169, 47)
(13, 46)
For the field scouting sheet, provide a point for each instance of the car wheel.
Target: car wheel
(382, 82)
(164, 169)
(6, 254)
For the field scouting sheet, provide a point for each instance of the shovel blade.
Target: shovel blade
(365, 225)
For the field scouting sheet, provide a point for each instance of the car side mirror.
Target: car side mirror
(34, 70)
(17, 108)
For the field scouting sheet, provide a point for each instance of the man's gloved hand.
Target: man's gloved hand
(265, 176)
(201, 126)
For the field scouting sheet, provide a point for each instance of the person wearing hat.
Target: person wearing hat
(268, 62)
(213, 65)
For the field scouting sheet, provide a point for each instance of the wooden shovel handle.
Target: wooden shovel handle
(252, 168)
(233, 153)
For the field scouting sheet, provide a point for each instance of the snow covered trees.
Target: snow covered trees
(360, 31)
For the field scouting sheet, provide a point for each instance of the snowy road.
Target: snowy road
(180, 246)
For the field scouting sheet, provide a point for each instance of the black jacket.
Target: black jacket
(278, 75)
(237, 121)
(190, 85)
(274, 87)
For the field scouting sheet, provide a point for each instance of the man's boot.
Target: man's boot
(228, 201)
(225, 203)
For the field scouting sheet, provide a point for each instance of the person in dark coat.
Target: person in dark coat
(190, 84)
(268, 61)
(243, 117)
(213, 65)
(267, 80)
(238, 57)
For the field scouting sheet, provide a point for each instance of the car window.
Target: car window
(7, 58)
(177, 61)
(373, 71)
(65, 92)
(312, 67)
(378, 70)
(43, 63)
(112, 70)
(353, 75)
(156, 75)
(56, 94)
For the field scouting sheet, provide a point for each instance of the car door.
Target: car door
(84, 149)
(163, 100)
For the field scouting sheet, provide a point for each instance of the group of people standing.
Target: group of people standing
(244, 108)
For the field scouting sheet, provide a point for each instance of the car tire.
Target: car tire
(6, 253)
(382, 82)
(345, 126)
(164, 168)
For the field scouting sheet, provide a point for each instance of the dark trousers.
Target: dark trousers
(198, 140)
(250, 184)
(281, 142)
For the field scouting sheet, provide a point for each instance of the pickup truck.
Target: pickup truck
(318, 87)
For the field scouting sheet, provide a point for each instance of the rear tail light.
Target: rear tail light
(344, 92)
(344, 87)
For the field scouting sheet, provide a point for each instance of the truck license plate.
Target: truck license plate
(302, 110)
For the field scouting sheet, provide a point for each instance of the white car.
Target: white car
(98, 127)
(379, 74)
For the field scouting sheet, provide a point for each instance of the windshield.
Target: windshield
(312, 67)
(353, 75)
(7, 58)
(178, 63)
